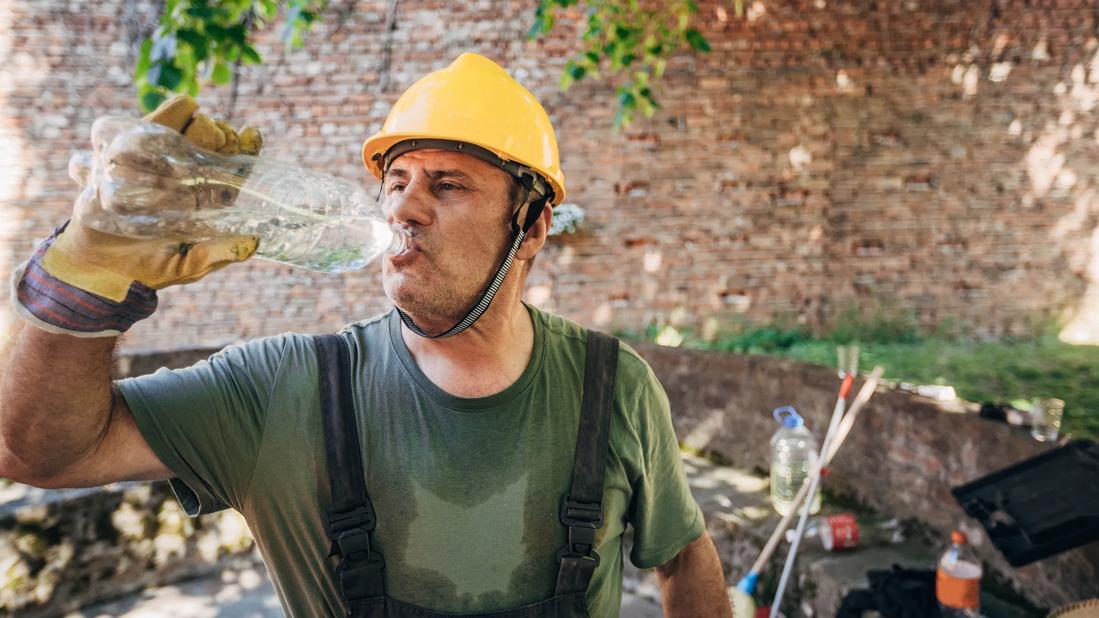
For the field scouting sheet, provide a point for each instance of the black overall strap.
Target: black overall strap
(351, 518)
(582, 507)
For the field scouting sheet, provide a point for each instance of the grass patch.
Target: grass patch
(998, 371)
(995, 371)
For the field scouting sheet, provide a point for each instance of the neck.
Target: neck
(485, 358)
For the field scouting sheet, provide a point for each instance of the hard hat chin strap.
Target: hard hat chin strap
(482, 303)
(531, 183)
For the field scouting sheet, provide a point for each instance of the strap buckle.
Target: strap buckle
(582, 519)
(350, 533)
(574, 512)
(358, 517)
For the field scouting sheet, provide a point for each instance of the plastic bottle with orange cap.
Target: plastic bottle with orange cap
(958, 579)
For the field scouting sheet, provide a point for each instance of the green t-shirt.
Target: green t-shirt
(466, 490)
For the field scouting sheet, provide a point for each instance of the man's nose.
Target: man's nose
(409, 206)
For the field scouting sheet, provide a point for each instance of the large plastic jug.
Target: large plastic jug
(793, 456)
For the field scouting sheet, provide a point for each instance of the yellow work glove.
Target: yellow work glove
(87, 283)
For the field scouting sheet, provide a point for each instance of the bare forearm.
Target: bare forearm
(55, 401)
(692, 583)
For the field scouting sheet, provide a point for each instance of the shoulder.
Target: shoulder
(294, 353)
(259, 352)
(633, 371)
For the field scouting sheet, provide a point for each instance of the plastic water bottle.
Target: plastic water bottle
(143, 180)
(845, 531)
(958, 580)
(793, 456)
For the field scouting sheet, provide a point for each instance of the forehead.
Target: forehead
(432, 160)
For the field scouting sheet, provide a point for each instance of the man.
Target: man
(466, 401)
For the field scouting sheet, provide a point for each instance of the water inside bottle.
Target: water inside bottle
(786, 481)
(332, 244)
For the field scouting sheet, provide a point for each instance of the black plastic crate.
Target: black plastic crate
(1039, 507)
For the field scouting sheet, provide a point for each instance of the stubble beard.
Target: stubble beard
(445, 299)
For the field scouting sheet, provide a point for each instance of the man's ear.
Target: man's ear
(536, 235)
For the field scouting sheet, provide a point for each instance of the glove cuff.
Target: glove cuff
(59, 307)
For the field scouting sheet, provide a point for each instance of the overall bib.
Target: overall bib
(351, 517)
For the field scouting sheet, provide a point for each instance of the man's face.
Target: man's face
(458, 211)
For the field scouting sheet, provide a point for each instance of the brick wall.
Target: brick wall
(940, 157)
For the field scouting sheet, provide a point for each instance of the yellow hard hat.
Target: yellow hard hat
(472, 101)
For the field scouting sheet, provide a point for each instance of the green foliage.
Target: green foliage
(765, 340)
(201, 42)
(1009, 370)
(630, 42)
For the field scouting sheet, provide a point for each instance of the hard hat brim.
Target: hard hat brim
(375, 149)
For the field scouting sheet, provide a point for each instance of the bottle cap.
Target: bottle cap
(788, 417)
(957, 537)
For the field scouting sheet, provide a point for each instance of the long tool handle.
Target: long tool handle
(844, 428)
(807, 503)
(852, 415)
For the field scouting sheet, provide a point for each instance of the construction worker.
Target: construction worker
(463, 454)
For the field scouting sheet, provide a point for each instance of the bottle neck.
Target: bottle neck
(402, 240)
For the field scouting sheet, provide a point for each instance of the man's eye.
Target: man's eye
(394, 187)
(446, 186)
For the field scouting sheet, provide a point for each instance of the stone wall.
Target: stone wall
(902, 457)
(937, 157)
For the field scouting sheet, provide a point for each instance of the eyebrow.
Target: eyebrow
(432, 174)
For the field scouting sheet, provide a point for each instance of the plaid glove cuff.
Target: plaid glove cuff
(56, 306)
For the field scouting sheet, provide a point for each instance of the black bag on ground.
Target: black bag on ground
(895, 593)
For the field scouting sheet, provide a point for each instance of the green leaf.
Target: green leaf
(622, 118)
(142, 66)
(697, 41)
(250, 55)
(197, 42)
(200, 12)
(151, 99)
(166, 74)
(268, 8)
(543, 20)
(658, 68)
(238, 34)
(222, 74)
(576, 72)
